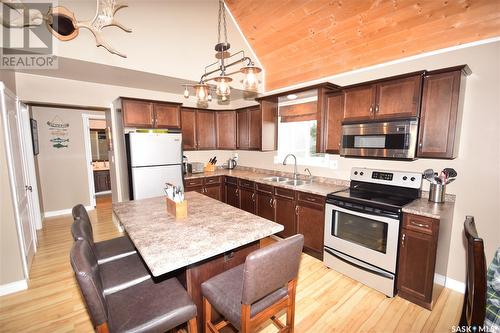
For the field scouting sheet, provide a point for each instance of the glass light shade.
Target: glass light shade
(186, 92)
(201, 91)
(209, 96)
(250, 82)
(223, 88)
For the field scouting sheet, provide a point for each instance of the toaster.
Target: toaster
(195, 167)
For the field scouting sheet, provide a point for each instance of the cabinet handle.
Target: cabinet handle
(297, 210)
(236, 192)
(253, 197)
(311, 199)
(420, 144)
(274, 202)
(271, 202)
(371, 108)
(376, 108)
(403, 240)
(419, 224)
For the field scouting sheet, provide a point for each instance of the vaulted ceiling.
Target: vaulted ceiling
(303, 40)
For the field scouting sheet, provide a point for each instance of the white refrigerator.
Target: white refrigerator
(153, 160)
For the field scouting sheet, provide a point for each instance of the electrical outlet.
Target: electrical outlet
(334, 164)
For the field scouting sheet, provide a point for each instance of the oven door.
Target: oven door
(367, 237)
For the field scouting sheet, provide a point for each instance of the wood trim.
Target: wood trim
(149, 100)
(326, 85)
(65, 106)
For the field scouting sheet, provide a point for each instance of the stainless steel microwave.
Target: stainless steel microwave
(389, 139)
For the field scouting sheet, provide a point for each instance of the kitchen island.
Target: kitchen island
(213, 238)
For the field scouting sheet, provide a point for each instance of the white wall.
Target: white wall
(478, 165)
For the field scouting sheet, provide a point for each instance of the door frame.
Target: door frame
(88, 152)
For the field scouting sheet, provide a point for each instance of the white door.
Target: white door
(20, 184)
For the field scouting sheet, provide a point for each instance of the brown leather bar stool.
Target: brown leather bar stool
(474, 308)
(256, 291)
(106, 250)
(145, 307)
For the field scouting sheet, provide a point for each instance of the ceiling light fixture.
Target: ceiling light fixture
(202, 90)
(291, 96)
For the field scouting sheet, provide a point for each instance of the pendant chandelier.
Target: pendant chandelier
(203, 91)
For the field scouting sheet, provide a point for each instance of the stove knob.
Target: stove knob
(405, 178)
(355, 173)
(361, 173)
(412, 179)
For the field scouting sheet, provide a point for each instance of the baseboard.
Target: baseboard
(455, 285)
(13, 287)
(62, 212)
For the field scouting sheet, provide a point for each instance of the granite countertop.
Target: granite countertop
(422, 206)
(211, 228)
(315, 187)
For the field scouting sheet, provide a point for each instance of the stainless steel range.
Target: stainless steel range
(362, 225)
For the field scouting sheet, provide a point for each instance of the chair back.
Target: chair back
(474, 308)
(270, 268)
(81, 227)
(87, 274)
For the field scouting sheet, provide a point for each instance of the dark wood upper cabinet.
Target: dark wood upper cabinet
(226, 129)
(333, 122)
(243, 127)
(254, 130)
(167, 115)
(205, 129)
(390, 98)
(137, 113)
(188, 120)
(441, 115)
(399, 98)
(150, 114)
(269, 125)
(359, 103)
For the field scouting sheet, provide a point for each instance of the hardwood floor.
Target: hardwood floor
(326, 301)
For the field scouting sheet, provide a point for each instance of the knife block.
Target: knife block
(210, 168)
(177, 210)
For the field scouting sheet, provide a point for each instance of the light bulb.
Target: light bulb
(224, 98)
(223, 88)
(201, 92)
(250, 82)
(186, 93)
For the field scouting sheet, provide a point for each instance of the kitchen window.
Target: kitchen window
(297, 128)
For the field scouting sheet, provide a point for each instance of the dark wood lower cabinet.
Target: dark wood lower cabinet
(311, 223)
(247, 199)
(285, 207)
(417, 260)
(265, 205)
(213, 191)
(232, 195)
(209, 186)
(102, 181)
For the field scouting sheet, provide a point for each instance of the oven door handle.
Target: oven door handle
(383, 217)
(358, 265)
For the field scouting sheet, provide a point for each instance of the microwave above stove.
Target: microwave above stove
(389, 139)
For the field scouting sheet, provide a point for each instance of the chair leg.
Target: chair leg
(207, 315)
(290, 311)
(103, 328)
(192, 325)
(245, 318)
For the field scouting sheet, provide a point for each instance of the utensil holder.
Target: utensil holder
(437, 193)
(177, 209)
(210, 168)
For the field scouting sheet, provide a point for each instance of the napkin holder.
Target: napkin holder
(177, 209)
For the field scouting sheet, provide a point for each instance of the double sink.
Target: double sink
(286, 181)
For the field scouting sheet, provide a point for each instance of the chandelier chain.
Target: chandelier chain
(222, 20)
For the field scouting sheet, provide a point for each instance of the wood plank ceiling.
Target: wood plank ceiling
(302, 40)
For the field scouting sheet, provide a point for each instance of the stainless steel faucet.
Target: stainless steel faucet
(295, 174)
(310, 174)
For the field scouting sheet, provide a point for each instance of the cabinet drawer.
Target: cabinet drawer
(246, 183)
(420, 223)
(231, 180)
(265, 188)
(285, 193)
(212, 180)
(193, 182)
(311, 198)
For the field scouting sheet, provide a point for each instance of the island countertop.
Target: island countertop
(211, 228)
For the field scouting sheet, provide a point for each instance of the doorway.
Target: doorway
(96, 151)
